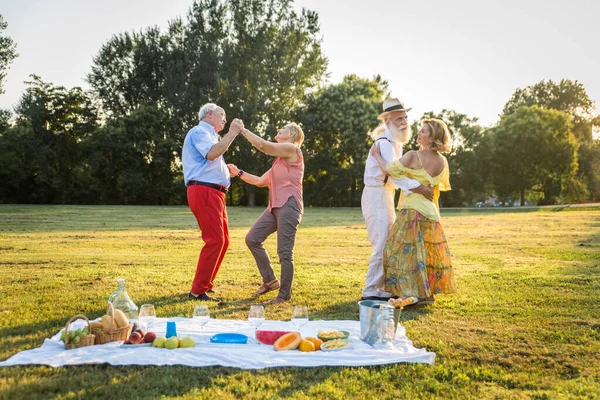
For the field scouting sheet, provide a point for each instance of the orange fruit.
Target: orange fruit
(316, 341)
(306, 345)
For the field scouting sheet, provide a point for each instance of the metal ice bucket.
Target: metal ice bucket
(368, 311)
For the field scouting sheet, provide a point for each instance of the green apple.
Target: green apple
(159, 342)
(172, 343)
(187, 342)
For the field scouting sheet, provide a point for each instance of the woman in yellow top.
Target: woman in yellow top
(417, 259)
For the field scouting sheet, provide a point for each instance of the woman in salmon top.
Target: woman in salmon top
(285, 209)
(417, 259)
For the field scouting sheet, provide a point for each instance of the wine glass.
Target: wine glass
(256, 315)
(147, 315)
(300, 316)
(201, 315)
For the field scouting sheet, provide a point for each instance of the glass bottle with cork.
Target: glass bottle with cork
(123, 302)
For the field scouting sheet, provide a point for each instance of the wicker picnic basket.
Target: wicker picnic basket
(113, 334)
(87, 340)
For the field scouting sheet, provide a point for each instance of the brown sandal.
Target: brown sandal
(276, 300)
(267, 287)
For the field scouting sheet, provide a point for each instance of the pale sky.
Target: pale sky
(464, 55)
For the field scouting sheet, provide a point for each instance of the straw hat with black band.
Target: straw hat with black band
(390, 106)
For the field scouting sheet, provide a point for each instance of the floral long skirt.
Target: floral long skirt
(416, 258)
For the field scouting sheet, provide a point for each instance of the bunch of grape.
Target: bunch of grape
(75, 335)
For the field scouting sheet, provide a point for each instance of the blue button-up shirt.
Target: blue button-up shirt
(198, 141)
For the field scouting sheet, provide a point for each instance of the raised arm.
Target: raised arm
(283, 150)
(259, 181)
(222, 145)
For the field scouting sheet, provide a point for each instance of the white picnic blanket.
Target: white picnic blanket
(252, 355)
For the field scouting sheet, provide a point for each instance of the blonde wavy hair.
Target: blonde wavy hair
(440, 136)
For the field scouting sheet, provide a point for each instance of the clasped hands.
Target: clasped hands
(237, 126)
(233, 170)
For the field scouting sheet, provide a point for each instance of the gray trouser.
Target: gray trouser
(285, 221)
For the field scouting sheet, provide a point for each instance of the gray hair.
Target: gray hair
(205, 109)
(375, 133)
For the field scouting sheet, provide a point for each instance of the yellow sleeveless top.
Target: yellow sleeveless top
(441, 182)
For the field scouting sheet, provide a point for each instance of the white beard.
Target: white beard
(401, 135)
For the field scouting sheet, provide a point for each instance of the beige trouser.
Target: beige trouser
(377, 205)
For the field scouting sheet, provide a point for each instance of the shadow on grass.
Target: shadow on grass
(106, 381)
(22, 218)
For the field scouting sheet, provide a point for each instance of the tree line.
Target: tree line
(120, 141)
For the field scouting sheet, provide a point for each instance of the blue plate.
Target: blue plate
(230, 338)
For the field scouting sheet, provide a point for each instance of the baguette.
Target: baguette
(106, 322)
(96, 325)
(400, 302)
(120, 318)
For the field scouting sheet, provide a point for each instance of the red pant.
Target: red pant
(208, 206)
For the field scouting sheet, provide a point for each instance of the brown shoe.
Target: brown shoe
(275, 301)
(267, 287)
(427, 301)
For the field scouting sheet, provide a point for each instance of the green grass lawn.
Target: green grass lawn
(525, 322)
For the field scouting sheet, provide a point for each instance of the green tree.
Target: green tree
(7, 52)
(336, 121)
(130, 161)
(51, 121)
(589, 161)
(256, 58)
(567, 96)
(271, 62)
(534, 149)
(5, 116)
(469, 160)
(16, 165)
(570, 97)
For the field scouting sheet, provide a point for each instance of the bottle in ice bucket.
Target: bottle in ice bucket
(387, 327)
(122, 301)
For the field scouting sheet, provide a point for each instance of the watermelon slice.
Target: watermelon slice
(269, 337)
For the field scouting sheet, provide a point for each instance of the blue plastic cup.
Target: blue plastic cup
(171, 329)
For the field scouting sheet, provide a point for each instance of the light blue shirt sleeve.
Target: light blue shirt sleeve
(202, 141)
(196, 145)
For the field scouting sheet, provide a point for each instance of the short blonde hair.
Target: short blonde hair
(296, 133)
(440, 136)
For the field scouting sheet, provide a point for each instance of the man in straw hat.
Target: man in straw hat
(377, 200)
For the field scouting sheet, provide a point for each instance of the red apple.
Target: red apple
(141, 332)
(135, 338)
(149, 337)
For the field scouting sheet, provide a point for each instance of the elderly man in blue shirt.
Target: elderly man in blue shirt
(207, 179)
